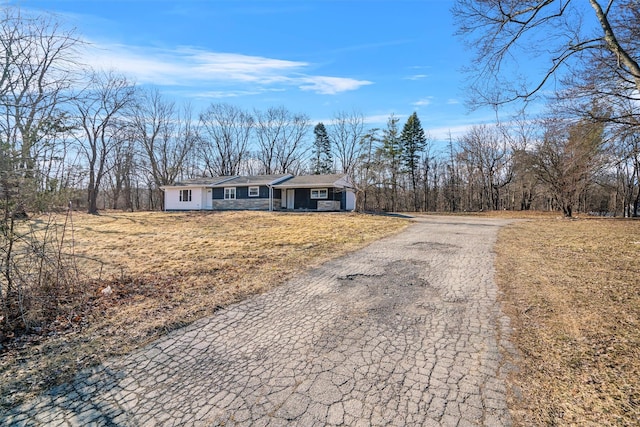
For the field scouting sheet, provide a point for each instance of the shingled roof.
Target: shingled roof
(309, 181)
(277, 180)
(254, 180)
(201, 182)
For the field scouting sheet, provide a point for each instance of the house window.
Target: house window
(319, 193)
(230, 193)
(254, 191)
(185, 195)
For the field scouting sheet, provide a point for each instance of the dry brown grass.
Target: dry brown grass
(167, 270)
(572, 290)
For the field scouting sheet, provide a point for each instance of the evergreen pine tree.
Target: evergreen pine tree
(392, 151)
(322, 161)
(413, 142)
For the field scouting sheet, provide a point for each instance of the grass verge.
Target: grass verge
(166, 270)
(572, 290)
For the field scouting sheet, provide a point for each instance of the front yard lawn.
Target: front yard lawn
(166, 270)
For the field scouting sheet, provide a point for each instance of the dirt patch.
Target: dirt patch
(399, 290)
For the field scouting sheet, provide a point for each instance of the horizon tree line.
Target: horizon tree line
(70, 133)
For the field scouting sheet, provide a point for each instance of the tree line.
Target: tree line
(69, 133)
(584, 153)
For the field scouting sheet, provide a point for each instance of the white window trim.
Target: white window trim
(181, 192)
(257, 190)
(319, 192)
(229, 193)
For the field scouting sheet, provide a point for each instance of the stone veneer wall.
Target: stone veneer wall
(244, 204)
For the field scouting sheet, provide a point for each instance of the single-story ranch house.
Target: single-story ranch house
(262, 192)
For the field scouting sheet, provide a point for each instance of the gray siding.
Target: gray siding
(303, 198)
(243, 192)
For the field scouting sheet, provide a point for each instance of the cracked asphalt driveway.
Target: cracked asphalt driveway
(404, 332)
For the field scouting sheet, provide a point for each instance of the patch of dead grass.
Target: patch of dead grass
(167, 270)
(572, 290)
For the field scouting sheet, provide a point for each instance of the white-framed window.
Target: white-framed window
(319, 193)
(254, 191)
(230, 193)
(185, 195)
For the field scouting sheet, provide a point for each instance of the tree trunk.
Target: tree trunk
(614, 46)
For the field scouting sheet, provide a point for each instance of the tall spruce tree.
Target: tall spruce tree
(322, 161)
(413, 142)
(392, 152)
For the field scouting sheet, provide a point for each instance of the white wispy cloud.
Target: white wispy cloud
(381, 119)
(423, 102)
(330, 85)
(458, 128)
(456, 131)
(452, 101)
(417, 77)
(187, 66)
(224, 94)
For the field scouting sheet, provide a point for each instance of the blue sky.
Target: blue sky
(318, 57)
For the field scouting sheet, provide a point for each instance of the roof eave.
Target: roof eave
(281, 179)
(320, 185)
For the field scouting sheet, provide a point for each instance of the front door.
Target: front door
(291, 197)
(208, 203)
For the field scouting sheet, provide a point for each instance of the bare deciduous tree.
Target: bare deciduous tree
(627, 168)
(567, 158)
(38, 56)
(368, 173)
(122, 168)
(485, 152)
(346, 132)
(226, 131)
(280, 134)
(505, 33)
(99, 109)
(166, 137)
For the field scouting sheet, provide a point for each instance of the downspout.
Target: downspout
(270, 197)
